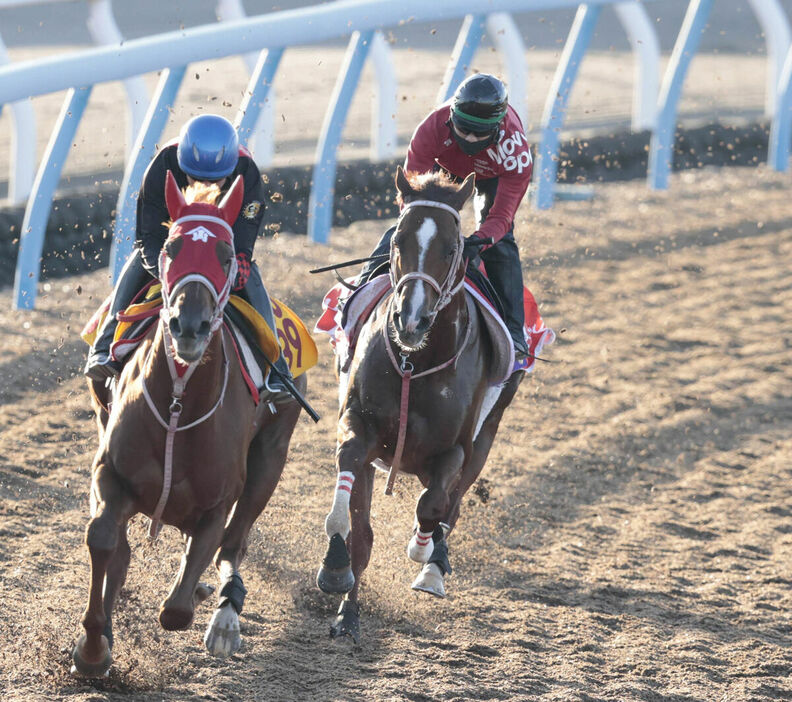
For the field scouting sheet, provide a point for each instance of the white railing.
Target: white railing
(267, 36)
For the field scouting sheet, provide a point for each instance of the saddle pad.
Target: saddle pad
(291, 337)
(344, 315)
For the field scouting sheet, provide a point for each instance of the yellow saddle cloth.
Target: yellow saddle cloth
(290, 337)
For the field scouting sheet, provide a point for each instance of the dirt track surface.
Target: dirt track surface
(636, 541)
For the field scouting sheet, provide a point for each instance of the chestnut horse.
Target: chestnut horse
(183, 453)
(414, 394)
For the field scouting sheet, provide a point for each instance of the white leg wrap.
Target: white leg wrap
(222, 638)
(421, 546)
(337, 522)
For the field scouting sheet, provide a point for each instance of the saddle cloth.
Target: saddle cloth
(248, 329)
(345, 313)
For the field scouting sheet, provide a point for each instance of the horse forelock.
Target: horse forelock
(201, 192)
(429, 186)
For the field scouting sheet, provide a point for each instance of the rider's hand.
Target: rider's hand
(473, 246)
(243, 271)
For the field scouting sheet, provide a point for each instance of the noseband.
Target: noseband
(447, 289)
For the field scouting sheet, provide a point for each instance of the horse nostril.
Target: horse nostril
(424, 323)
(203, 329)
(175, 327)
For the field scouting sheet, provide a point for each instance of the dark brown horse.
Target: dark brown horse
(183, 441)
(419, 392)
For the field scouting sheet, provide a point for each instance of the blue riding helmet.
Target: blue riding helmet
(208, 147)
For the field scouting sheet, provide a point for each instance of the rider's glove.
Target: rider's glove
(243, 271)
(473, 246)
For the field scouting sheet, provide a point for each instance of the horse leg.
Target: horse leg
(265, 461)
(360, 541)
(177, 610)
(432, 508)
(481, 447)
(353, 456)
(111, 507)
(116, 577)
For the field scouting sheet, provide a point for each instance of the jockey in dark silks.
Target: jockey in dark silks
(478, 132)
(207, 150)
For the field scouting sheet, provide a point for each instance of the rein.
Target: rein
(175, 408)
(405, 369)
(178, 379)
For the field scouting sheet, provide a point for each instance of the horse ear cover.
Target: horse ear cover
(174, 197)
(232, 202)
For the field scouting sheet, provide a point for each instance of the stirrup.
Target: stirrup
(100, 367)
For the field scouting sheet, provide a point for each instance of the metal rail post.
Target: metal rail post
(34, 224)
(258, 101)
(384, 137)
(662, 143)
(22, 167)
(124, 227)
(504, 34)
(646, 49)
(467, 44)
(775, 27)
(320, 205)
(778, 149)
(555, 107)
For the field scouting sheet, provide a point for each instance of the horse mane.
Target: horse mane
(429, 186)
(200, 191)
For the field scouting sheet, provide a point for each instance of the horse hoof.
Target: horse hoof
(175, 618)
(222, 638)
(91, 669)
(430, 580)
(335, 582)
(335, 576)
(347, 624)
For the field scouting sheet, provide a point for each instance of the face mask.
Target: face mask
(471, 148)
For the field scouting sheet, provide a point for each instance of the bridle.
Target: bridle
(447, 289)
(219, 298)
(179, 372)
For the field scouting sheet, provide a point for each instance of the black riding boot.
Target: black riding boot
(258, 296)
(133, 277)
(382, 249)
(502, 263)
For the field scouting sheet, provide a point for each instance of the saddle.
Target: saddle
(252, 336)
(344, 315)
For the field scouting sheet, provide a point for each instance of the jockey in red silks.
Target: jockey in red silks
(207, 150)
(477, 131)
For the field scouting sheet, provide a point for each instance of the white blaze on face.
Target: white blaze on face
(425, 234)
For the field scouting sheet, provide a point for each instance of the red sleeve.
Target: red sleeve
(511, 190)
(424, 146)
